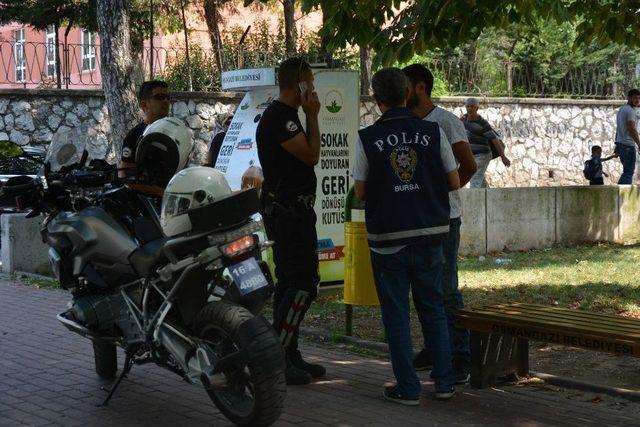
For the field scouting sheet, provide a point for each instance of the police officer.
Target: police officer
(404, 168)
(288, 155)
(155, 103)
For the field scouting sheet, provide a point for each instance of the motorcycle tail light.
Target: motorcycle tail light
(239, 246)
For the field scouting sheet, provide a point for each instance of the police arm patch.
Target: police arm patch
(291, 126)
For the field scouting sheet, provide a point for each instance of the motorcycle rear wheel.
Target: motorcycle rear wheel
(255, 393)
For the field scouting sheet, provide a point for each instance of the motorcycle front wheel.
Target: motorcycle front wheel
(255, 392)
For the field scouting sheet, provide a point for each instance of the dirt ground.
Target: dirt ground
(588, 366)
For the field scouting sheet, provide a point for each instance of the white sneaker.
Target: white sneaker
(445, 395)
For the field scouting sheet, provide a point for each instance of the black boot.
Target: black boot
(295, 375)
(315, 370)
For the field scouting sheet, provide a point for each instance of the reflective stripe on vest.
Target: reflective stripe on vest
(430, 231)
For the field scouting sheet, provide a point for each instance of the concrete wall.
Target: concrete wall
(22, 248)
(520, 218)
(629, 213)
(527, 218)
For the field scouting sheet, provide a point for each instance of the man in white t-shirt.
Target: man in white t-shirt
(419, 101)
(627, 136)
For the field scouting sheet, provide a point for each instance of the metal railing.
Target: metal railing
(31, 65)
(506, 78)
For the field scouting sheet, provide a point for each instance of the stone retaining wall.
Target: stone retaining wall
(547, 139)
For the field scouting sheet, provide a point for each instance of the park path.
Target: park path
(47, 378)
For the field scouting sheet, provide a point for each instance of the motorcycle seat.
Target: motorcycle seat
(148, 257)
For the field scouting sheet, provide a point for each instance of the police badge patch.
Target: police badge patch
(291, 126)
(404, 161)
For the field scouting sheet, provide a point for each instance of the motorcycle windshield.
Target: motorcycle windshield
(67, 146)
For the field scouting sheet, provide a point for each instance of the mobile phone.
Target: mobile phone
(303, 87)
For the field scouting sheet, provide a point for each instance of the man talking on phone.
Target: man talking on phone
(288, 154)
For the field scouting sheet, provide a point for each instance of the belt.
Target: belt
(301, 202)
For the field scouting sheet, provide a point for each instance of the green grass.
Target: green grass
(39, 282)
(599, 278)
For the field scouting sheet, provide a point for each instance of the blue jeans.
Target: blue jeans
(627, 155)
(419, 268)
(459, 338)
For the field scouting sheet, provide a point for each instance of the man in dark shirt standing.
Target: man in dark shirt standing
(155, 102)
(288, 155)
(216, 143)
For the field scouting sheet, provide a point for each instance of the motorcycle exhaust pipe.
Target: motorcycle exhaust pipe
(199, 366)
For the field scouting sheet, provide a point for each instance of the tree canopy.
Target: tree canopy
(396, 30)
(42, 13)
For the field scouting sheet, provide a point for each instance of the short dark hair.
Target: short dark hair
(418, 73)
(633, 92)
(146, 88)
(290, 72)
(390, 86)
(595, 148)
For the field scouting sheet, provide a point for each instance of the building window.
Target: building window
(19, 55)
(51, 51)
(88, 51)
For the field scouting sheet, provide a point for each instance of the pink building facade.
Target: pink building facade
(28, 59)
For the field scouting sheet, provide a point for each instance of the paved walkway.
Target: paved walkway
(47, 378)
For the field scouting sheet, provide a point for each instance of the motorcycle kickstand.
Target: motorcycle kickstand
(128, 364)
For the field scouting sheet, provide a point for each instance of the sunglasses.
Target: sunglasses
(161, 97)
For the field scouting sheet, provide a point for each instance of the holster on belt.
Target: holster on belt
(272, 205)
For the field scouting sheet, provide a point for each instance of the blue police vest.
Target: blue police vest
(407, 189)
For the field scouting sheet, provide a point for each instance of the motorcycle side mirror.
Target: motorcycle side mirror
(9, 150)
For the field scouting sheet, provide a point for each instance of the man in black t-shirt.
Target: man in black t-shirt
(216, 143)
(155, 102)
(288, 155)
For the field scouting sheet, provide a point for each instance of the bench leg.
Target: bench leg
(523, 357)
(493, 356)
(481, 377)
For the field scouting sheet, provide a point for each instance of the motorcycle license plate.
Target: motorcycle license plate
(247, 276)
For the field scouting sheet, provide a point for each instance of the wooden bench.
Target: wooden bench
(500, 336)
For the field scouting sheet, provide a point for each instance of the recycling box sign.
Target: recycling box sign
(338, 92)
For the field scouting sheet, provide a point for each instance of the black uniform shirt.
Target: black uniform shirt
(216, 145)
(285, 176)
(130, 143)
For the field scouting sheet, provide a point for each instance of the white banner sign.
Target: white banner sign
(339, 120)
(248, 79)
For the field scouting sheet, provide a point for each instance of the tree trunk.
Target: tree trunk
(186, 45)
(67, 64)
(56, 27)
(289, 27)
(365, 71)
(213, 25)
(116, 70)
(153, 32)
(324, 45)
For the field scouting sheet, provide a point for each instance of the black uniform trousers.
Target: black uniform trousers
(292, 226)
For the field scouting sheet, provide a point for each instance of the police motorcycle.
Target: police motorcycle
(183, 291)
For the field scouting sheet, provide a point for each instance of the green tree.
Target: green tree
(397, 30)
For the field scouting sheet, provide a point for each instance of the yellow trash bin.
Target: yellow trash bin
(359, 287)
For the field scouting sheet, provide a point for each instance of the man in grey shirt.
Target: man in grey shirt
(627, 136)
(421, 85)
